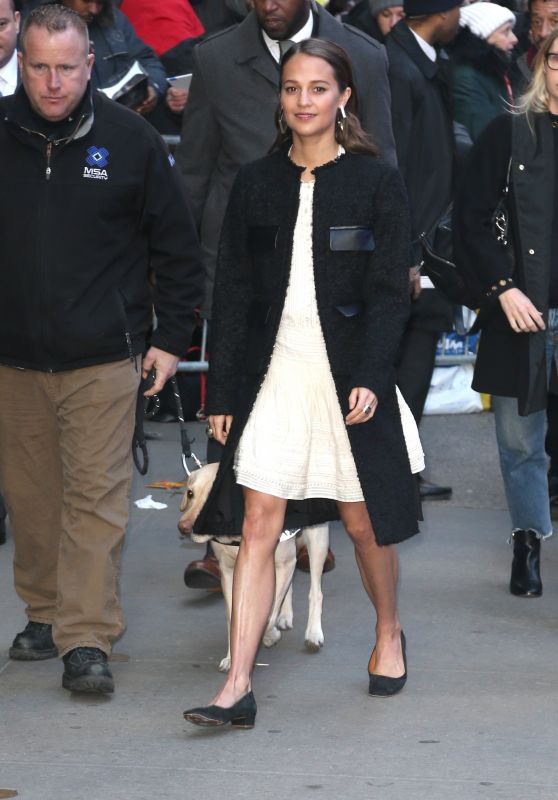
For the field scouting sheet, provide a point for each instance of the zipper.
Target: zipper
(127, 334)
(49, 156)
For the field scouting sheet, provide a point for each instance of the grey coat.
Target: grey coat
(229, 117)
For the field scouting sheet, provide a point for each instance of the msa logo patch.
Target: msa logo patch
(96, 160)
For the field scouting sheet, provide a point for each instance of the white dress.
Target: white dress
(295, 443)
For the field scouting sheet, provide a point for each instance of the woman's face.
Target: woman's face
(551, 76)
(389, 17)
(503, 38)
(310, 96)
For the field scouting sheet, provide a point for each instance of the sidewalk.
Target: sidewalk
(477, 719)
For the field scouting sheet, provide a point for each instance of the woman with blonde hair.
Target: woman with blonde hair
(510, 260)
(311, 298)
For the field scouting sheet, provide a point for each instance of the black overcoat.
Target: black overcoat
(361, 255)
(509, 364)
(423, 131)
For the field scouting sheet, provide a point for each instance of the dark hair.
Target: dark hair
(54, 18)
(351, 135)
(105, 18)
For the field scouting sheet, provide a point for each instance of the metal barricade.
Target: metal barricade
(447, 358)
(202, 364)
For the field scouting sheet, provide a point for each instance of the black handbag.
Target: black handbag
(438, 261)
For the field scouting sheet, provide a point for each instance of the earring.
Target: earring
(283, 127)
(341, 117)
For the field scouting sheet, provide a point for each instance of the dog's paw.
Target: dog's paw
(285, 622)
(313, 640)
(225, 664)
(271, 636)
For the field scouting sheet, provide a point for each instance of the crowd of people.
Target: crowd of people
(315, 149)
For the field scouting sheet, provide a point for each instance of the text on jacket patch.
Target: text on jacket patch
(96, 159)
(95, 172)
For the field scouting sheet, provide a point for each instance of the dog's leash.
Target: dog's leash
(185, 440)
(139, 445)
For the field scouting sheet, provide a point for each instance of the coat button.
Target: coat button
(531, 252)
(521, 167)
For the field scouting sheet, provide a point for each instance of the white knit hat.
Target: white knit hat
(482, 19)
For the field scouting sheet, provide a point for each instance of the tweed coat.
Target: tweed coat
(229, 118)
(509, 364)
(361, 256)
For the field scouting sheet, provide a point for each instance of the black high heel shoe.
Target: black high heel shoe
(382, 685)
(241, 715)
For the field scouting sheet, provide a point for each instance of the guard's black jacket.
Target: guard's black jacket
(87, 206)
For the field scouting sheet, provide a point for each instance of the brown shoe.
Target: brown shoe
(303, 560)
(204, 574)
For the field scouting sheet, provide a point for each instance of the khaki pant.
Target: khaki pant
(65, 472)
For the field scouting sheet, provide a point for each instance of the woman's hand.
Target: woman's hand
(362, 404)
(219, 425)
(520, 312)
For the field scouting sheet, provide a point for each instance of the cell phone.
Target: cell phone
(181, 81)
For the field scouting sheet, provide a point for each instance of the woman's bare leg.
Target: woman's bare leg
(253, 589)
(379, 571)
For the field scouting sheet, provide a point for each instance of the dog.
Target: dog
(316, 539)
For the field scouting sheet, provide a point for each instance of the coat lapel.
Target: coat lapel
(253, 52)
(406, 39)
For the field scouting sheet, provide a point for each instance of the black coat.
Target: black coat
(87, 206)
(362, 297)
(509, 364)
(422, 127)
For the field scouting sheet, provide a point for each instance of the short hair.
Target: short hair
(54, 18)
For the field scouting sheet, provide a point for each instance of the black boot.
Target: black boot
(86, 669)
(34, 643)
(525, 573)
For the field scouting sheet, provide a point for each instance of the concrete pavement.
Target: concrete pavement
(477, 719)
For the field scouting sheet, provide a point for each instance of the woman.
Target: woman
(481, 56)
(310, 301)
(375, 17)
(518, 283)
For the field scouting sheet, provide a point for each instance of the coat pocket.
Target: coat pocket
(350, 309)
(351, 237)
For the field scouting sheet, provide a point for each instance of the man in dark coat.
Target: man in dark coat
(423, 132)
(89, 203)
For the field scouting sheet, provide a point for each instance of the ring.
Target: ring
(366, 409)
(209, 432)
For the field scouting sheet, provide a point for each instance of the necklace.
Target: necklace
(340, 152)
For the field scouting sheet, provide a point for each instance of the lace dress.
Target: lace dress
(295, 443)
